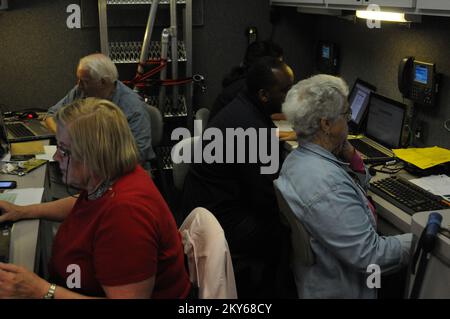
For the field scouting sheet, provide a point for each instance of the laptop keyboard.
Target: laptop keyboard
(19, 130)
(366, 149)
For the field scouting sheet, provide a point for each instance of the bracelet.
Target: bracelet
(51, 292)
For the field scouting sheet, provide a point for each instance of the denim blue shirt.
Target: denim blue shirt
(334, 210)
(134, 109)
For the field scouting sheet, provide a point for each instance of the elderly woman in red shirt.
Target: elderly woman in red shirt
(118, 235)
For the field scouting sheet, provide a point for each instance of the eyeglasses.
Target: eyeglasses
(347, 115)
(63, 151)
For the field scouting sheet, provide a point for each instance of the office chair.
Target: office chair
(300, 239)
(209, 262)
(156, 123)
(203, 115)
(157, 128)
(180, 168)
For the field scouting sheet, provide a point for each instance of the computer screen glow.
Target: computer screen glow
(325, 52)
(421, 74)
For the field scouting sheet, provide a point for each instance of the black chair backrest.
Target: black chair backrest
(156, 123)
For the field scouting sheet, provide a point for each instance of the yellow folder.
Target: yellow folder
(27, 148)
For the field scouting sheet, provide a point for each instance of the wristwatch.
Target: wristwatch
(51, 292)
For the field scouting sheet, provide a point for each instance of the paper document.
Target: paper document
(436, 184)
(7, 157)
(8, 197)
(423, 158)
(27, 196)
(50, 150)
(284, 126)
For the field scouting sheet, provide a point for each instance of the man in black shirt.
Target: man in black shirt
(234, 82)
(239, 195)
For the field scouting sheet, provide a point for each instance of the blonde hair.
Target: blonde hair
(100, 137)
(99, 67)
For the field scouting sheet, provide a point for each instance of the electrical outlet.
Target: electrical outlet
(421, 131)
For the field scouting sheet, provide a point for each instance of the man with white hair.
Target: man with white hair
(97, 76)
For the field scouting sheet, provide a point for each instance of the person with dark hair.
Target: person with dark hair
(258, 49)
(234, 82)
(237, 192)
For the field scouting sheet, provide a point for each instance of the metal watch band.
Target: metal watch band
(51, 292)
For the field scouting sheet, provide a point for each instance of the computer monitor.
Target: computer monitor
(359, 100)
(385, 121)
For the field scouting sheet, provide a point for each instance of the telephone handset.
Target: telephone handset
(418, 81)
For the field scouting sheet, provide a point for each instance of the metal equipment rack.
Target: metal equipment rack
(174, 105)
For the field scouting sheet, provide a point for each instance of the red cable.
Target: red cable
(141, 77)
(164, 83)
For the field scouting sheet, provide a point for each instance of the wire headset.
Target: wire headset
(387, 167)
(66, 183)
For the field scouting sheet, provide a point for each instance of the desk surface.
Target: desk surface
(24, 234)
(393, 220)
(285, 126)
(436, 282)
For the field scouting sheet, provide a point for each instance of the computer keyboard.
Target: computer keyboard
(19, 130)
(366, 149)
(407, 196)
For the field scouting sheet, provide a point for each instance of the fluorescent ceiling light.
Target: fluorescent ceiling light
(381, 15)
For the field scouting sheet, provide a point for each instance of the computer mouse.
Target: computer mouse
(29, 115)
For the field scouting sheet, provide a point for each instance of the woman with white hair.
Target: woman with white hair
(324, 182)
(118, 238)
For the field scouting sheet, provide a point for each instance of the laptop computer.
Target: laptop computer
(385, 119)
(25, 130)
(358, 100)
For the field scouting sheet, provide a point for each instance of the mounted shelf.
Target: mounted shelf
(133, 2)
(414, 7)
(129, 52)
(163, 152)
(171, 111)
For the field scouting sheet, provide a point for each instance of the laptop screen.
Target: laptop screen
(385, 121)
(359, 100)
